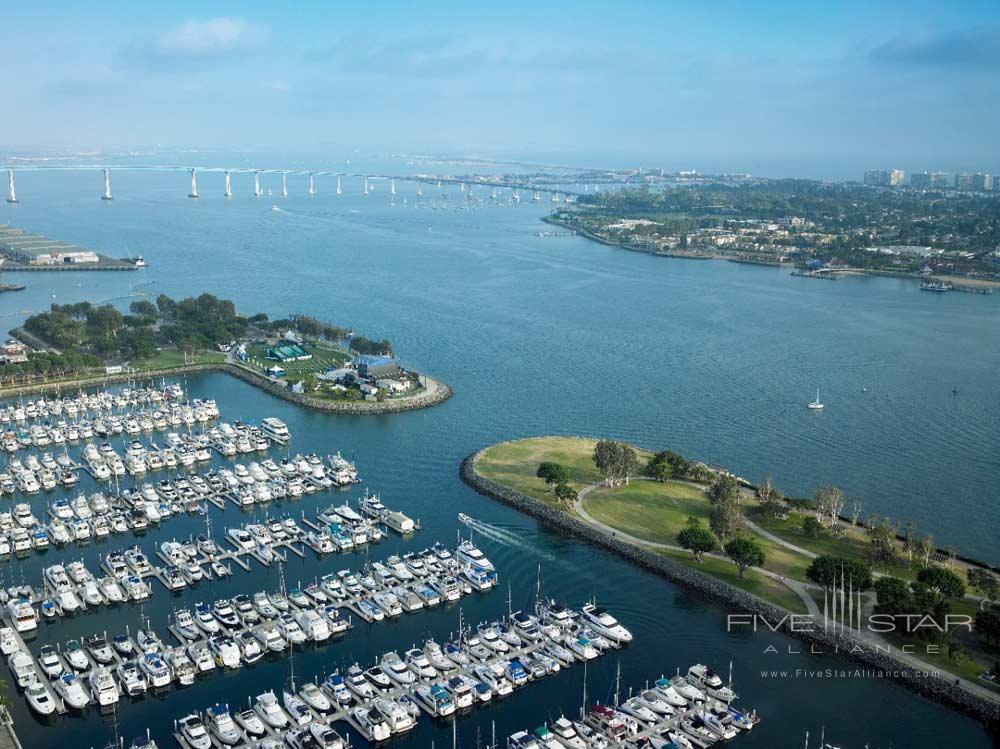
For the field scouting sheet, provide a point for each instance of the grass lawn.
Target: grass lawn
(657, 512)
(754, 582)
(852, 544)
(514, 464)
(169, 358)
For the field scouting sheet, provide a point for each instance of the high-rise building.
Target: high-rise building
(939, 180)
(920, 180)
(980, 182)
(963, 181)
(884, 177)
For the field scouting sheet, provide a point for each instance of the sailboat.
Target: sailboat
(816, 405)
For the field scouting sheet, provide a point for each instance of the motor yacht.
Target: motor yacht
(193, 730)
(221, 724)
(71, 690)
(270, 711)
(605, 624)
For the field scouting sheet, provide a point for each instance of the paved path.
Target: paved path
(799, 588)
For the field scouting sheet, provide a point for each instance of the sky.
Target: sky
(775, 88)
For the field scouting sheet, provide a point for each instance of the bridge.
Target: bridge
(364, 182)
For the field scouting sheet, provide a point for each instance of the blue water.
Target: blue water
(546, 335)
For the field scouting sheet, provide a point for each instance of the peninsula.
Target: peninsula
(712, 531)
(299, 358)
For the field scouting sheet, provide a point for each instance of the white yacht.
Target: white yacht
(39, 699)
(221, 724)
(22, 615)
(605, 624)
(70, 688)
(276, 429)
(103, 687)
(270, 711)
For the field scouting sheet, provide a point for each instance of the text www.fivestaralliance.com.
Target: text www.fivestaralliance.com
(855, 673)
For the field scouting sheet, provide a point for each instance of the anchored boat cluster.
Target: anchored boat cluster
(678, 713)
(480, 665)
(229, 633)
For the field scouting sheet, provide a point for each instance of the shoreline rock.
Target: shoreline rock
(438, 394)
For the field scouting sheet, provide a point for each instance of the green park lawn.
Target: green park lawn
(850, 544)
(753, 582)
(170, 358)
(658, 512)
(514, 464)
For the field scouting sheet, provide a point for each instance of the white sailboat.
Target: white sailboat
(816, 405)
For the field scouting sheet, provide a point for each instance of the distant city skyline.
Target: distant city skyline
(779, 89)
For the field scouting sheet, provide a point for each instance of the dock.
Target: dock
(244, 628)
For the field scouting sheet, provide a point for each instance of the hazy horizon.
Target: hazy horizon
(776, 89)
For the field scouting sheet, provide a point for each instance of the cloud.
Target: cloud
(969, 48)
(276, 85)
(197, 41)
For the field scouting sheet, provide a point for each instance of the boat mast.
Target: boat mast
(618, 682)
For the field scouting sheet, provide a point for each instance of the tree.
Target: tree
(894, 596)
(745, 553)
(726, 515)
(882, 540)
(985, 583)
(829, 503)
(925, 548)
(772, 501)
(857, 505)
(723, 489)
(696, 538)
(615, 460)
(565, 493)
(910, 540)
(552, 473)
(830, 571)
(812, 527)
(144, 308)
(659, 468)
(987, 626)
(943, 581)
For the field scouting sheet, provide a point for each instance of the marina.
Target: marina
(486, 664)
(238, 632)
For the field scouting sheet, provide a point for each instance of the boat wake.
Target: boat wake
(502, 536)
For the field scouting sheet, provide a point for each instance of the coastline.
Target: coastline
(933, 686)
(958, 281)
(435, 391)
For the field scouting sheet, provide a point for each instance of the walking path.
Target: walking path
(799, 588)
